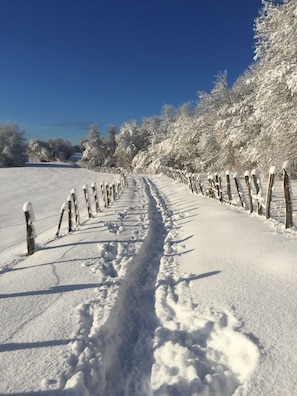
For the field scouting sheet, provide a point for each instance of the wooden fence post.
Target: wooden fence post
(29, 216)
(75, 203)
(113, 191)
(200, 185)
(190, 182)
(287, 191)
(87, 199)
(272, 172)
(61, 218)
(257, 184)
(240, 191)
(120, 186)
(247, 182)
(195, 183)
(103, 192)
(69, 199)
(118, 189)
(95, 194)
(210, 186)
(229, 187)
(123, 183)
(107, 194)
(125, 174)
(219, 187)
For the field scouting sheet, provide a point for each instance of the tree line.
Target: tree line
(95, 150)
(252, 124)
(16, 151)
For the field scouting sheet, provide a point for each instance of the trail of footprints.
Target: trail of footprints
(196, 353)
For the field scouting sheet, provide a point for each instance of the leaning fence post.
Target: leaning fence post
(61, 218)
(219, 187)
(288, 195)
(247, 182)
(272, 172)
(190, 182)
(29, 215)
(86, 194)
(240, 191)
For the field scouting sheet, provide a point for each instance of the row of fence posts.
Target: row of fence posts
(252, 181)
(110, 192)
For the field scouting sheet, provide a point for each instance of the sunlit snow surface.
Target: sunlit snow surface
(164, 293)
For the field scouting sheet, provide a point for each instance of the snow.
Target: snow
(29, 208)
(163, 293)
(287, 167)
(272, 170)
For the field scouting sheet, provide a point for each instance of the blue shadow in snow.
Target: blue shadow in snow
(57, 289)
(15, 346)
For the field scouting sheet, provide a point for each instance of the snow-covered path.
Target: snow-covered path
(164, 293)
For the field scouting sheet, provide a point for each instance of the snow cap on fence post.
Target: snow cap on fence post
(272, 170)
(30, 217)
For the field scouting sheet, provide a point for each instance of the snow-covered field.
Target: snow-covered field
(164, 293)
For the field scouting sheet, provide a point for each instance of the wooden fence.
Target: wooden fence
(110, 191)
(247, 191)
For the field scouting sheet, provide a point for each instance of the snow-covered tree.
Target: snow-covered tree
(61, 150)
(50, 150)
(131, 140)
(94, 149)
(276, 96)
(12, 145)
(250, 125)
(111, 140)
(38, 151)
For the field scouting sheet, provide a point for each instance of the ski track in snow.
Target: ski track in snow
(153, 340)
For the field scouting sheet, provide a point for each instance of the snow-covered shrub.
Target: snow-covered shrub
(50, 150)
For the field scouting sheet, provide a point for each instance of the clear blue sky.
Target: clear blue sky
(66, 64)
